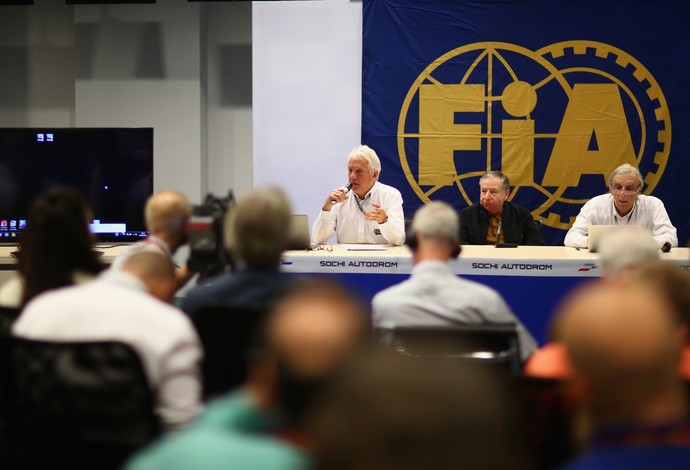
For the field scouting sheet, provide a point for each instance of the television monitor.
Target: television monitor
(111, 167)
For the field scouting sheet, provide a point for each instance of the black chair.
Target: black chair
(548, 416)
(494, 345)
(80, 404)
(7, 404)
(7, 317)
(228, 334)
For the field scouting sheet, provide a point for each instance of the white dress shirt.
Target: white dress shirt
(117, 307)
(434, 295)
(348, 222)
(648, 212)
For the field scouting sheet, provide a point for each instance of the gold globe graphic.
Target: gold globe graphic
(513, 81)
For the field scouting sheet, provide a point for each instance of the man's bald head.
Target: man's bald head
(315, 327)
(624, 345)
(306, 340)
(155, 270)
(166, 214)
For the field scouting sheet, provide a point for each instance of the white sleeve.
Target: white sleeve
(578, 233)
(394, 229)
(179, 386)
(662, 228)
(324, 226)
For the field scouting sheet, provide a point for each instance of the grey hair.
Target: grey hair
(625, 248)
(437, 220)
(367, 153)
(625, 169)
(256, 227)
(505, 182)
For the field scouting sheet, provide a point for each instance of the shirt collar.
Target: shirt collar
(122, 278)
(432, 266)
(159, 243)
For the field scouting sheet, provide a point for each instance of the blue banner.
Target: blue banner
(554, 94)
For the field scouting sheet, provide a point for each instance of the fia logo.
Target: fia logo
(556, 121)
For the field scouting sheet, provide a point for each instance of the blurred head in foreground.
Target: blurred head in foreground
(624, 344)
(394, 412)
(308, 337)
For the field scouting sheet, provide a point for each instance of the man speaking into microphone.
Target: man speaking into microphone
(364, 210)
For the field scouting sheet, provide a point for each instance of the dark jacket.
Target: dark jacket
(518, 226)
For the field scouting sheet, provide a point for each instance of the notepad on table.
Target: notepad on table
(363, 247)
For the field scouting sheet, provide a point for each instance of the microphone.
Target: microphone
(666, 247)
(347, 189)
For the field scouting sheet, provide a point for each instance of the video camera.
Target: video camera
(208, 254)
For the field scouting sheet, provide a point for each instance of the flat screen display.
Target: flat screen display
(111, 167)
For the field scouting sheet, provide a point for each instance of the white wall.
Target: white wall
(227, 65)
(139, 66)
(307, 96)
(37, 65)
(185, 68)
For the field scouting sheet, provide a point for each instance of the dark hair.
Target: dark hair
(56, 243)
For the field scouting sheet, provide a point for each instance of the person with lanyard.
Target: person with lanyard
(364, 211)
(495, 219)
(623, 205)
(166, 214)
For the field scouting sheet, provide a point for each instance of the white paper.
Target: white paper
(363, 247)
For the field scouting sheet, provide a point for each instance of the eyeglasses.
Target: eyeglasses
(624, 191)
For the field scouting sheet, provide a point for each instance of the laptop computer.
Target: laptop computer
(298, 233)
(595, 234)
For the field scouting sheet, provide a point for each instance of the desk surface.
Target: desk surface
(8, 262)
(474, 259)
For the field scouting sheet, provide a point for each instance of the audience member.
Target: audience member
(622, 252)
(129, 305)
(434, 295)
(624, 345)
(675, 284)
(56, 250)
(256, 236)
(624, 249)
(495, 219)
(166, 213)
(307, 338)
(394, 412)
(623, 205)
(373, 214)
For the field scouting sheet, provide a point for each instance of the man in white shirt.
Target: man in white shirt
(623, 205)
(129, 305)
(434, 295)
(365, 211)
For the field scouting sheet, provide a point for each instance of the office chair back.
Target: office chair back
(228, 333)
(7, 317)
(82, 404)
(494, 345)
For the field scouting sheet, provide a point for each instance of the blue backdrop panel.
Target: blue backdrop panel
(554, 95)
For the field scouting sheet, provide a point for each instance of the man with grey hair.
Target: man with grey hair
(434, 295)
(495, 219)
(365, 210)
(623, 205)
(257, 236)
(625, 249)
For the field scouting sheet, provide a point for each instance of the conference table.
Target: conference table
(532, 279)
